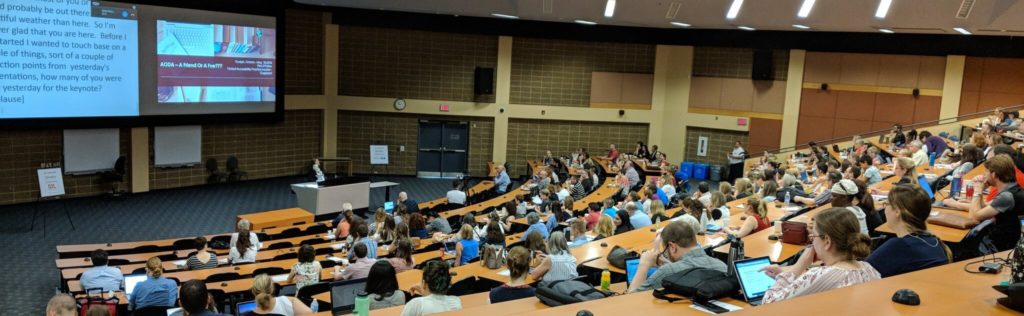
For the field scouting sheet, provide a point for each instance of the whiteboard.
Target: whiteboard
(51, 182)
(177, 145)
(378, 154)
(91, 150)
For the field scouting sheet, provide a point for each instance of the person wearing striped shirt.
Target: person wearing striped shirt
(202, 259)
(559, 264)
(577, 192)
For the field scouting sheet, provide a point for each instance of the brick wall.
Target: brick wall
(263, 150)
(727, 62)
(558, 72)
(358, 130)
(528, 139)
(720, 144)
(304, 56)
(22, 152)
(379, 62)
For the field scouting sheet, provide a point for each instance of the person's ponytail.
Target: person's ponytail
(263, 288)
(263, 301)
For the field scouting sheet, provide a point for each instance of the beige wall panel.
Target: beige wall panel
(637, 88)
(861, 69)
(605, 87)
(706, 92)
(932, 73)
(899, 71)
(769, 96)
(822, 67)
(737, 94)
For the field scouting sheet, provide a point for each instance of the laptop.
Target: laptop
(631, 266)
(130, 281)
(244, 307)
(343, 295)
(449, 247)
(753, 281)
(389, 207)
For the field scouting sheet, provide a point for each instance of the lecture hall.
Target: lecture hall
(511, 157)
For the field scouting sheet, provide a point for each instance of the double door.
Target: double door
(443, 149)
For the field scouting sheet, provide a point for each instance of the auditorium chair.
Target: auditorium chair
(216, 176)
(115, 177)
(235, 174)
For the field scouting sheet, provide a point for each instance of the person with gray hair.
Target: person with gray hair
(917, 153)
(559, 264)
(411, 206)
(535, 225)
(61, 305)
(244, 244)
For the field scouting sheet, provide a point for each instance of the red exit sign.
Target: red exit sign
(741, 121)
(444, 108)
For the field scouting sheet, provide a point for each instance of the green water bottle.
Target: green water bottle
(362, 304)
(606, 280)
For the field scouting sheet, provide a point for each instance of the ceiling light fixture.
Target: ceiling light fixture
(609, 9)
(504, 16)
(585, 22)
(805, 9)
(887, 31)
(680, 24)
(962, 30)
(746, 28)
(734, 9)
(802, 27)
(883, 8)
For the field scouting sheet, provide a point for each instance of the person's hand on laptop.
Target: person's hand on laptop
(772, 270)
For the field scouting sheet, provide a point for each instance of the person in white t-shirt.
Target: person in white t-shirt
(456, 195)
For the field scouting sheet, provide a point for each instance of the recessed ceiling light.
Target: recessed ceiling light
(746, 28)
(805, 9)
(888, 31)
(962, 30)
(883, 8)
(680, 24)
(585, 22)
(802, 27)
(734, 9)
(609, 9)
(504, 16)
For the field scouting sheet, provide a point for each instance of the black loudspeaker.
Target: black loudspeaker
(916, 92)
(483, 81)
(763, 69)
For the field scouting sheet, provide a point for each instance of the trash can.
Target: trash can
(700, 171)
(685, 171)
(716, 173)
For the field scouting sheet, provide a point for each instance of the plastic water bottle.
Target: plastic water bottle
(954, 191)
(606, 280)
(931, 159)
(362, 304)
(703, 221)
(788, 198)
(315, 306)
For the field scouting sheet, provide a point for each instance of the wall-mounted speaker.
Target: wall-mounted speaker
(763, 68)
(916, 92)
(824, 87)
(622, 112)
(483, 81)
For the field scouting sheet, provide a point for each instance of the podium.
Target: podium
(328, 196)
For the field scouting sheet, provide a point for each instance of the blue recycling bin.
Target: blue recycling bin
(685, 171)
(700, 171)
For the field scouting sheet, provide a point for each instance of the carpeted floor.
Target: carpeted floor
(31, 277)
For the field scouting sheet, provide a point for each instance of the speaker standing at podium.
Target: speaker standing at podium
(316, 171)
(736, 162)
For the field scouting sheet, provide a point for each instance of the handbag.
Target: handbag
(617, 256)
(700, 284)
(794, 233)
(90, 300)
(952, 220)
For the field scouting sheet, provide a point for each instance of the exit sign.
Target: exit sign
(741, 121)
(444, 108)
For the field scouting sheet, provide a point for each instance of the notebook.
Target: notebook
(753, 281)
(631, 266)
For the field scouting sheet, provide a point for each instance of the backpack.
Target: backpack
(701, 284)
(108, 303)
(564, 292)
(492, 256)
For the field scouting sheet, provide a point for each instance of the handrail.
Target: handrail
(887, 130)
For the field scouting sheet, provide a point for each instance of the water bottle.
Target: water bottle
(704, 221)
(606, 279)
(787, 198)
(362, 304)
(954, 191)
(931, 159)
(315, 306)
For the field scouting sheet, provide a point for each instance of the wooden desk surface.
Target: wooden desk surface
(494, 202)
(479, 187)
(520, 306)
(278, 218)
(944, 290)
(639, 303)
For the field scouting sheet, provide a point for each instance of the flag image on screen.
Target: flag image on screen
(201, 63)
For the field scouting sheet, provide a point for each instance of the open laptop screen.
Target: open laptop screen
(753, 281)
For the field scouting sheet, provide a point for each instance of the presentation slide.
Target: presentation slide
(94, 59)
(55, 51)
(214, 63)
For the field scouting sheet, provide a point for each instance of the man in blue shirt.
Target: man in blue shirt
(501, 181)
(535, 225)
(637, 219)
(609, 208)
(871, 174)
(101, 276)
(360, 235)
(411, 206)
(155, 290)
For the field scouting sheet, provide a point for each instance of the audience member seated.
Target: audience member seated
(156, 290)
(914, 247)
(244, 244)
(658, 212)
(870, 174)
(343, 222)
(559, 264)
(622, 223)
(433, 290)
(359, 265)
(718, 202)
(437, 224)
(845, 194)
(411, 205)
(637, 219)
(418, 226)
(1007, 206)
(538, 248)
(769, 190)
(905, 170)
(578, 231)
(501, 180)
(62, 305)
(963, 203)
(825, 196)
(756, 219)
(837, 242)
(382, 286)
(203, 258)
(677, 251)
(468, 248)
(267, 304)
(917, 153)
(518, 261)
(307, 270)
(609, 208)
(388, 232)
(703, 193)
(100, 275)
(359, 236)
(936, 145)
(605, 227)
(535, 226)
(743, 188)
(577, 191)
(196, 300)
(401, 259)
(456, 196)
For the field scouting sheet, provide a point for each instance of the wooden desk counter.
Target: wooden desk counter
(471, 305)
(640, 303)
(494, 202)
(476, 189)
(278, 218)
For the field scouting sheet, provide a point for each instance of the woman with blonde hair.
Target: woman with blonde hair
(468, 248)
(727, 189)
(757, 218)
(266, 303)
(718, 201)
(658, 211)
(743, 188)
(906, 171)
(605, 227)
(156, 290)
